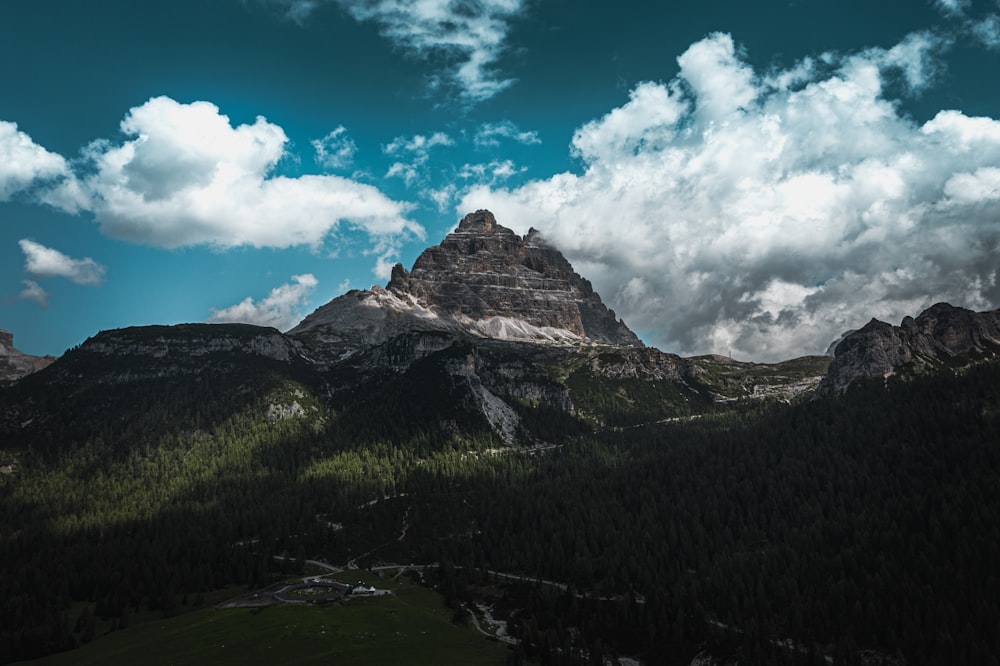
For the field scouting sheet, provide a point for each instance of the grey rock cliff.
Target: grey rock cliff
(941, 336)
(482, 281)
(15, 364)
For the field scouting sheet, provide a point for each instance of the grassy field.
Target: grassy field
(412, 626)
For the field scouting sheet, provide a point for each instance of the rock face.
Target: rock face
(941, 336)
(482, 281)
(15, 364)
(155, 352)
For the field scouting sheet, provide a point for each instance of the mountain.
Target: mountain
(941, 337)
(485, 411)
(15, 364)
(482, 281)
(488, 329)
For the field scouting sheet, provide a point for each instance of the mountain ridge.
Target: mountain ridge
(481, 281)
(942, 336)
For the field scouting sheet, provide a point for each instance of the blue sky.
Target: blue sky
(752, 178)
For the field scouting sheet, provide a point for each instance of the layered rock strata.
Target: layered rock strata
(482, 281)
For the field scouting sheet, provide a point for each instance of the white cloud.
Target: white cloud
(336, 150)
(725, 210)
(952, 8)
(722, 83)
(987, 31)
(969, 188)
(282, 309)
(469, 35)
(491, 172)
(46, 262)
(443, 197)
(34, 292)
(416, 151)
(914, 57)
(490, 134)
(22, 161)
(186, 176)
(418, 143)
(470, 175)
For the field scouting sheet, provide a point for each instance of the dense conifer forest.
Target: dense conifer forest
(772, 533)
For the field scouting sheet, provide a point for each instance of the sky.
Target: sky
(738, 178)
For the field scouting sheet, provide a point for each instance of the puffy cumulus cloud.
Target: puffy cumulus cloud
(282, 309)
(44, 262)
(414, 153)
(34, 292)
(186, 176)
(469, 35)
(336, 150)
(767, 213)
(489, 135)
(23, 162)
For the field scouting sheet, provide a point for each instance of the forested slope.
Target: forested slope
(864, 521)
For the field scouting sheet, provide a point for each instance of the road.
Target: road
(317, 563)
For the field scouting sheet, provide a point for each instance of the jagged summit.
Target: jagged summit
(482, 221)
(483, 280)
(941, 335)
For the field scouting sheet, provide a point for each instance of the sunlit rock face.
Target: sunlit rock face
(483, 281)
(941, 336)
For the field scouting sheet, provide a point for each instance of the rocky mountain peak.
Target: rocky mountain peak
(482, 221)
(942, 335)
(482, 280)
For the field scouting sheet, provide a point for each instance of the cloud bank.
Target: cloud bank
(764, 213)
(282, 309)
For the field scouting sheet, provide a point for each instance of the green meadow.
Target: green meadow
(411, 626)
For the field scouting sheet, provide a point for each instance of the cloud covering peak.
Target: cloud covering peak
(766, 213)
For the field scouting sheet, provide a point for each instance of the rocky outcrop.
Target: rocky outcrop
(192, 340)
(482, 281)
(151, 352)
(15, 364)
(941, 336)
